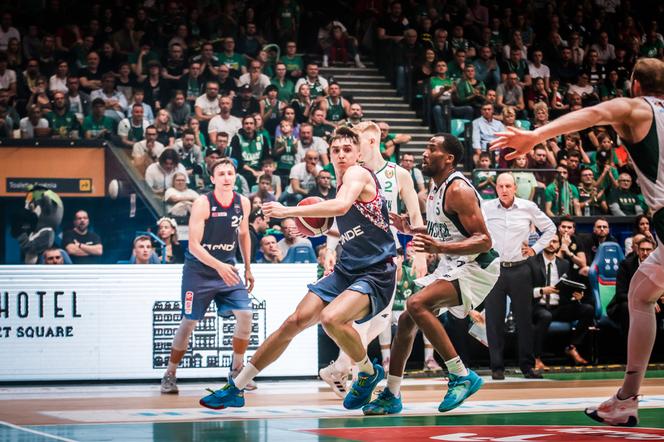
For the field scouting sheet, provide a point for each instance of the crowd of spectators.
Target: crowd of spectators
(476, 68)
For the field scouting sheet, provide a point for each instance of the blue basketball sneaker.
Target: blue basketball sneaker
(385, 403)
(360, 392)
(460, 388)
(227, 396)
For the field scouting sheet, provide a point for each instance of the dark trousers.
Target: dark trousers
(516, 283)
(573, 311)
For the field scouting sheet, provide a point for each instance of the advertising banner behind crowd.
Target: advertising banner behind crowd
(117, 322)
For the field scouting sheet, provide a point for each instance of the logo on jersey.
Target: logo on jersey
(218, 214)
(222, 247)
(352, 233)
(438, 230)
(389, 173)
(188, 302)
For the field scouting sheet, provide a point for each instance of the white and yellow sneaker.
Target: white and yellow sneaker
(624, 413)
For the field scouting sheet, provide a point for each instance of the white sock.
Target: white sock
(385, 353)
(246, 375)
(238, 361)
(394, 384)
(428, 353)
(455, 366)
(365, 366)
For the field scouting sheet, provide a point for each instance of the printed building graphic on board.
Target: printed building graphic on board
(210, 345)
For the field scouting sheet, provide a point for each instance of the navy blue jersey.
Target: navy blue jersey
(366, 238)
(221, 228)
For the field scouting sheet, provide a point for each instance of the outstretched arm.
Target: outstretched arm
(620, 112)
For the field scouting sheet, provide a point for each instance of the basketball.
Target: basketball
(309, 226)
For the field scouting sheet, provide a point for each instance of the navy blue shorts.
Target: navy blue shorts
(201, 285)
(378, 282)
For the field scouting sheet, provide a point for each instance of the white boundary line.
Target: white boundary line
(39, 433)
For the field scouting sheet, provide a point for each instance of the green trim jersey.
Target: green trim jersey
(476, 274)
(387, 177)
(648, 158)
(447, 227)
(335, 112)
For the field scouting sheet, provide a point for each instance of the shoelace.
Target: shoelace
(224, 388)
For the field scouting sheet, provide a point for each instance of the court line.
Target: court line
(39, 433)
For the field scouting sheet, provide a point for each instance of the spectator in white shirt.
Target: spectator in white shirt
(539, 69)
(509, 220)
(7, 31)
(179, 198)
(302, 179)
(484, 129)
(132, 130)
(58, 81)
(290, 240)
(224, 122)
(255, 79)
(606, 52)
(207, 105)
(308, 141)
(116, 102)
(7, 76)
(34, 125)
(159, 175)
(147, 151)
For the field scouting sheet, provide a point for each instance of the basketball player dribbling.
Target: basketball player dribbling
(360, 286)
(395, 183)
(639, 122)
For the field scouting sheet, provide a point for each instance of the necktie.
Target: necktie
(548, 274)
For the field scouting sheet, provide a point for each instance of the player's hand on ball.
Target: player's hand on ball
(427, 244)
(275, 210)
(249, 279)
(228, 273)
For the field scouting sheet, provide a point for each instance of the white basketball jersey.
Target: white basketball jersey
(446, 226)
(648, 157)
(387, 177)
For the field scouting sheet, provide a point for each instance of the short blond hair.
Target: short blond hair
(368, 126)
(650, 73)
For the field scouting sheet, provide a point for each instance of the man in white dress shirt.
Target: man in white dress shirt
(509, 220)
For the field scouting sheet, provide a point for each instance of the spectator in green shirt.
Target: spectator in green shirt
(440, 87)
(285, 87)
(294, 63)
(561, 197)
(623, 201)
(469, 90)
(236, 62)
(97, 125)
(61, 120)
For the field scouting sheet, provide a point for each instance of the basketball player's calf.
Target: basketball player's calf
(419, 312)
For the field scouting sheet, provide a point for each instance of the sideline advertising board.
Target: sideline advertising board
(117, 322)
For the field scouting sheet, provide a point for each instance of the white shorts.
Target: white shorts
(474, 281)
(653, 266)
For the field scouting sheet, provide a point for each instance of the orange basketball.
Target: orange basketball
(309, 226)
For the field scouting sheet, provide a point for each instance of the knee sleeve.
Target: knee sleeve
(242, 324)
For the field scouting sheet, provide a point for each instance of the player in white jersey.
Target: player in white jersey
(639, 122)
(467, 272)
(395, 183)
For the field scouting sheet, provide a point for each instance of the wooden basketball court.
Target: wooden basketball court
(515, 409)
